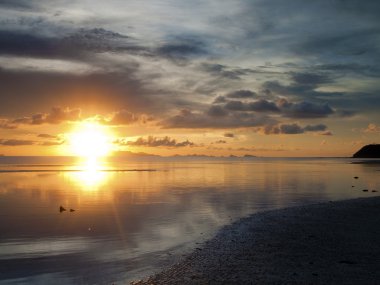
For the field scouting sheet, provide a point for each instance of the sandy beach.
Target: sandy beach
(329, 243)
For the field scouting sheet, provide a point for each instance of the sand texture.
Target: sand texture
(330, 243)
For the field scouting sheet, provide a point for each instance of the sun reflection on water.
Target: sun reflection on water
(91, 174)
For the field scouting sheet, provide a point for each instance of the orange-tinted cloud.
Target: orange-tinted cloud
(372, 128)
(16, 142)
(155, 142)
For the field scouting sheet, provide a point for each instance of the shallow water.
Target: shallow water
(133, 218)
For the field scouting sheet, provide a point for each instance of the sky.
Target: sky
(257, 77)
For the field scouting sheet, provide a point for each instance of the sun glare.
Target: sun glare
(90, 140)
(91, 175)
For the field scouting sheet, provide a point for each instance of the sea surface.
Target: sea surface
(132, 218)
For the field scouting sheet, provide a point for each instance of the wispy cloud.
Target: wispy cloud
(372, 128)
(215, 65)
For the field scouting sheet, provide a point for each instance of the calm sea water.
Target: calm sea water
(133, 218)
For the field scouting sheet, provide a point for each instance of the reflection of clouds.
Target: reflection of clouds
(137, 217)
(27, 248)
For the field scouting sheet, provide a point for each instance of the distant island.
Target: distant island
(130, 154)
(368, 151)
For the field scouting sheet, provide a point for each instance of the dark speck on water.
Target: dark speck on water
(356, 177)
(365, 190)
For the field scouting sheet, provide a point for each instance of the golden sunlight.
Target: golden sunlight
(90, 140)
(91, 176)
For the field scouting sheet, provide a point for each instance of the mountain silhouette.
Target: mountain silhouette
(368, 151)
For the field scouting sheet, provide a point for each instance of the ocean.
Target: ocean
(131, 218)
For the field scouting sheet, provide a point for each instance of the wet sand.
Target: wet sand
(330, 243)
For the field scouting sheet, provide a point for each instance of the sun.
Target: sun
(90, 140)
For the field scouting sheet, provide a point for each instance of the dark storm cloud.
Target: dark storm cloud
(220, 99)
(344, 69)
(348, 28)
(293, 129)
(346, 113)
(155, 142)
(196, 120)
(235, 106)
(57, 115)
(17, 4)
(21, 43)
(302, 85)
(304, 109)
(311, 78)
(299, 109)
(217, 111)
(260, 105)
(343, 45)
(75, 45)
(315, 128)
(227, 72)
(290, 129)
(115, 85)
(263, 105)
(181, 48)
(241, 94)
(100, 40)
(349, 43)
(229, 52)
(111, 91)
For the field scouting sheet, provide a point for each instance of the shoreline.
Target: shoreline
(326, 243)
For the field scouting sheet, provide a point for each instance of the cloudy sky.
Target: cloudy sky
(259, 77)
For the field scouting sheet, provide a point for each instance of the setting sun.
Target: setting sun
(90, 140)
